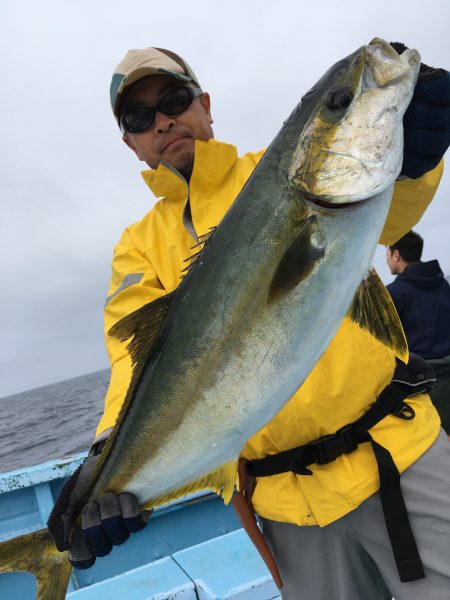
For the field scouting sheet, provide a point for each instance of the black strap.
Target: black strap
(327, 448)
(404, 547)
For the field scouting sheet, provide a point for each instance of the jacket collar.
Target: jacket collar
(213, 160)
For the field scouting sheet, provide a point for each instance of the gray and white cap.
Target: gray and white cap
(141, 63)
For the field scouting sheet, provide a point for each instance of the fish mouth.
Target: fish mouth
(385, 66)
(326, 205)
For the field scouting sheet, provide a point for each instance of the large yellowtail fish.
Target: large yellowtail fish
(217, 358)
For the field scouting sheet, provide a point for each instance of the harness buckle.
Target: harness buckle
(297, 465)
(329, 447)
(405, 412)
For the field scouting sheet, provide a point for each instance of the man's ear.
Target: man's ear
(129, 142)
(206, 103)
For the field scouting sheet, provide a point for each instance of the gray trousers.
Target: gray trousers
(351, 559)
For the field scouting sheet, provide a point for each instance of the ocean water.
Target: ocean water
(51, 421)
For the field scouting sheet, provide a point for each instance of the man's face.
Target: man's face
(170, 138)
(392, 259)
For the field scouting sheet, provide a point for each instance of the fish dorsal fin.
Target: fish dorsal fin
(192, 260)
(373, 310)
(143, 327)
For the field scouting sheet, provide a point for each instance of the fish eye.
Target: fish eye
(338, 99)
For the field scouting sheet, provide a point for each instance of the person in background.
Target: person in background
(421, 295)
(325, 526)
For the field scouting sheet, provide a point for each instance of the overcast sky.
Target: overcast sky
(69, 185)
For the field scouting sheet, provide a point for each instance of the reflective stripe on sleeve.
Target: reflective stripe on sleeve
(128, 280)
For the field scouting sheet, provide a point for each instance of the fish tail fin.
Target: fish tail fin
(37, 554)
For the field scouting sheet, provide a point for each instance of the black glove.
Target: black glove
(426, 122)
(104, 524)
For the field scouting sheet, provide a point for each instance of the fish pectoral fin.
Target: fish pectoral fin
(373, 310)
(222, 481)
(298, 261)
(37, 554)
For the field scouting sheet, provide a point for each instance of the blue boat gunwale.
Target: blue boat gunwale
(40, 473)
(181, 532)
(64, 467)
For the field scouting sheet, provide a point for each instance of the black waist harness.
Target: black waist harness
(408, 380)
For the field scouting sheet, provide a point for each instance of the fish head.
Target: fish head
(351, 147)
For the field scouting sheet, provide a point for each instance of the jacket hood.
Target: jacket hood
(423, 274)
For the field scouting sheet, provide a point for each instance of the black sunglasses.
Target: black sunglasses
(174, 102)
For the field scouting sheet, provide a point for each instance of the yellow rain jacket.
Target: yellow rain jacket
(355, 368)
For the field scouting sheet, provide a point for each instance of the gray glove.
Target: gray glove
(104, 524)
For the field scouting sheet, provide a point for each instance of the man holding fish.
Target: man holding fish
(276, 347)
(320, 542)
